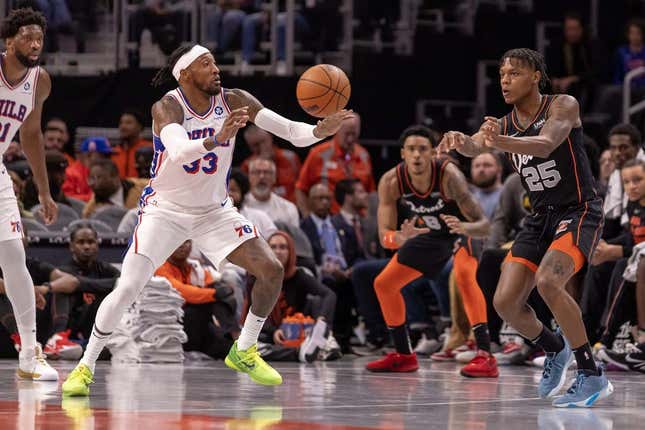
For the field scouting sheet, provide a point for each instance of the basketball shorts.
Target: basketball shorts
(574, 230)
(474, 247)
(426, 254)
(215, 230)
(10, 224)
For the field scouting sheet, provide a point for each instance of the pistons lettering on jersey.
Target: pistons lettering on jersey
(520, 160)
(8, 109)
(417, 209)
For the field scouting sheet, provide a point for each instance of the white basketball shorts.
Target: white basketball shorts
(10, 225)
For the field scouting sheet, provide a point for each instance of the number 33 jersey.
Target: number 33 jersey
(204, 181)
(564, 177)
(426, 207)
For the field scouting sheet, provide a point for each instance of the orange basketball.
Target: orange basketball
(323, 90)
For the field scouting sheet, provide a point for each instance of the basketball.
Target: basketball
(323, 90)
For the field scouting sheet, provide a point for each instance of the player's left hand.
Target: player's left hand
(454, 224)
(48, 208)
(491, 130)
(331, 124)
(601, 253)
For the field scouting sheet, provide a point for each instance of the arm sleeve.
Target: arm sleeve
(300, 134)
(180, 148)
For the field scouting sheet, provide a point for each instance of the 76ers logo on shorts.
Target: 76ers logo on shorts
(16, 227)
(241, 230)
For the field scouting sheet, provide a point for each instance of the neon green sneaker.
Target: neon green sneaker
(78, 382)
(249, 361)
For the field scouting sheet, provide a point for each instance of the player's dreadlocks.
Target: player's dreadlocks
(532, 58)
(20, 17)
(165, 73)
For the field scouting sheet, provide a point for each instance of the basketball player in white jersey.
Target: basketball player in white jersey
(187, 198)
(24, 87)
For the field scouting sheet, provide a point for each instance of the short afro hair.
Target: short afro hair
(418, 130)
(533, 59)
(19, 18)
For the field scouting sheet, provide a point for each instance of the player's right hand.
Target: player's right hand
(48, 208)
(235, 120)
(408, 229)
(451, 140)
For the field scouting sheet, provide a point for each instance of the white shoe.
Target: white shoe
(313, 343)
(465, 356)
(331, 350)
(36, 367)
(427, 346)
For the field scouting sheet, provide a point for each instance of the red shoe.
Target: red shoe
(16, 341)
(394, 362)
(60, 347)
(483, 365)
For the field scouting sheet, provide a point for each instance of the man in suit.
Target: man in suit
(335, 250)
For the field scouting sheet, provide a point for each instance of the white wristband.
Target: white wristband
(298, 133)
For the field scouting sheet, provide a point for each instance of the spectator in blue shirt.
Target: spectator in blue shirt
(632, 55)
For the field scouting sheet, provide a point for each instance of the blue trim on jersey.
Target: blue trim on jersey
(159, 148)
(193, 110)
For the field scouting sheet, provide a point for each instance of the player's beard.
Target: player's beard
(25, 61)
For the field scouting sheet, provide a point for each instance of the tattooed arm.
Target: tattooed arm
(456, 188)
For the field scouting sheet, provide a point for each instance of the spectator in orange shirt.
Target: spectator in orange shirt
(205, 300)
(56, 136)
(287, 162)
(342, 157)
(124, 154)
(76, 174)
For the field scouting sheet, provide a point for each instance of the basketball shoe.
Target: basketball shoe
(250, 362)
(394, 362)
(78, 382)
(483, 365)
(585, 391)
(554, 374)
(60, 347)
(35, 366)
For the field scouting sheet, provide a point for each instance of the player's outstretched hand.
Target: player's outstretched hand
(491, 130)
(331, 124)
(48, 208)
(235, 120)
(451, 140)
(453, 223)
(408, 229)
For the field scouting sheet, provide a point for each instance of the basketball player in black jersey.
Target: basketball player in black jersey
(425, 196)
(543, 138)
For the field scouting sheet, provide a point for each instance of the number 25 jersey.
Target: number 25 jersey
(564, 177)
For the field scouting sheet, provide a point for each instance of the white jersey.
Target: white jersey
(203, 182)
(16, 103)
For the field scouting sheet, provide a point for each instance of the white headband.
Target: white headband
(187, 59)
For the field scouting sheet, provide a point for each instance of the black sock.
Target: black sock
(549, 341)
(401, 339)
(585, 360)
(482, 337)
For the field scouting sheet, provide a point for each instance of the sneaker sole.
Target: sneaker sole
(35, 376)
(479, 375)
(589, 401)
(563, 379)
(232, 365)
(392, 371)
(76, 393)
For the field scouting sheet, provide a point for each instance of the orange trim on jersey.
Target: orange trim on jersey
(443, 167)
(398, 176)
(565, 244)
(539, 112)
(409, 182)
(24, 78)
(513, 259)
(575, 169)
(600, 224)
(580, 222)
(505, 120)
(548, 105)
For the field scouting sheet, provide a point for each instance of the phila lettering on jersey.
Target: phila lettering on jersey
(16, 103)
(563, 178)
(426, 207)
(204, 181)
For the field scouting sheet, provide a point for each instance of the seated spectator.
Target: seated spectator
(209, 312)
(13, 153)
(631, 56)
(606, 167)
(335, 251)
(143, 161)
(92, 149)
(575, 64)
(18, 190)
(224, 23)
(57, 137)
(342, 157)
(109, 190)
(124, 154)
(486, 181)
(287, 163)
(262, 175)
(352, 198)
(164, 19)
(297, 288)
(56, 164)
(238, 189)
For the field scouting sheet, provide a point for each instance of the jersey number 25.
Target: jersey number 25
(541, 176)
(209, 167)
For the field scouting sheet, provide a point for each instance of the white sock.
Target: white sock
(250, 332)
(19, 289)
(136, 272)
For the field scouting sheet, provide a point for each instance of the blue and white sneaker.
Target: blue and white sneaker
(554, 374)
(585, 391)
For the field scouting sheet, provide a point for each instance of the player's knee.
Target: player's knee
(272, 270)
(381, 285)
(549, 285)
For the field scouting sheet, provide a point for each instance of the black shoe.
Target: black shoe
(635, 359)
(618, 359)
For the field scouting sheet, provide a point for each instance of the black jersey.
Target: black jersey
(427, 207)
(563, 178)
(636, 214)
